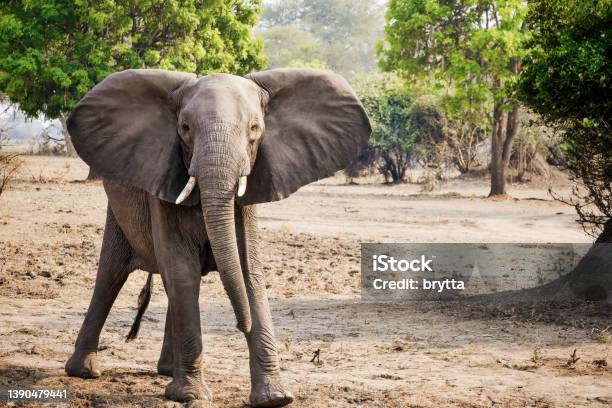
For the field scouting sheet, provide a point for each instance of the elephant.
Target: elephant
(184, 160)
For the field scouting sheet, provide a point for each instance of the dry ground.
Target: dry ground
(413, 355)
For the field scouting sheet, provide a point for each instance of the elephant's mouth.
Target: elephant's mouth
(191, 183)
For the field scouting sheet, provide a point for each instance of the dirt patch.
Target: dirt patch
(581, 315)
(425, 354)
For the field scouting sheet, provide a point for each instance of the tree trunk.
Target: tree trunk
(390, 168)
(497, 168)
(512, 124)
(70, 152)
(394, 174)
(501, 147)
(521, 161)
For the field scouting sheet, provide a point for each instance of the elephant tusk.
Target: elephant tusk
(242, 183)
(187, 190)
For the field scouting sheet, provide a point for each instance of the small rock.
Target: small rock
(600, 363)
(45, 274)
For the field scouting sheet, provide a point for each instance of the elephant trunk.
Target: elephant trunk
(217, 180)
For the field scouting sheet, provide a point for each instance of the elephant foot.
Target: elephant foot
(83, 364)
(189, 389)
(270, 393)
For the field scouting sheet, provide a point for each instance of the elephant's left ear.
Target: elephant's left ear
(314, 126)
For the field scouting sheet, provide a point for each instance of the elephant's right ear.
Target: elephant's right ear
(125, 129)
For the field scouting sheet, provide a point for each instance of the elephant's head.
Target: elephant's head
(239, 140)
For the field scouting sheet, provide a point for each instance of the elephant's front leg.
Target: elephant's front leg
(182, 282)
(179, 265)
(267, 389)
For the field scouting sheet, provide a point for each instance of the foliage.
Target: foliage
(364, 164)
(462, 47)
(405, 129)
(285, 44)
(340, 34)
(428, 124)
(566, 71)
(536, 146)
(443, 142)
(53, 51)
(388, 107)
(566, 78)
(313, 63)
(464, 51)
(463, 139)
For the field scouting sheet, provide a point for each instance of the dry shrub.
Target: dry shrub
(9, 164)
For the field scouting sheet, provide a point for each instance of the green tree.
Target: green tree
(389, 109)
(285, 44)
(429, 125)
(53, 51)
(344, 32)
(566, 78)
(467, 52)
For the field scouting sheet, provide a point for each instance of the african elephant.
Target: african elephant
(184, 159)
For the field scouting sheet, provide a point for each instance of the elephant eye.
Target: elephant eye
(254, 127)
(185, 127)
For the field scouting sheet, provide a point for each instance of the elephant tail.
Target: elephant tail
(143, 302)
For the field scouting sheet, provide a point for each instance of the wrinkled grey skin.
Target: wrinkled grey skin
(145, 132)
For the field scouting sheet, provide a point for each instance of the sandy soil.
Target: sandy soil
(426, 354)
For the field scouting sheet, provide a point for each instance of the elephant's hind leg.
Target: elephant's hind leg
(114, 267)
(166, 358)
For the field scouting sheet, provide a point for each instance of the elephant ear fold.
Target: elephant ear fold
(314, 126)
(125, 129)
